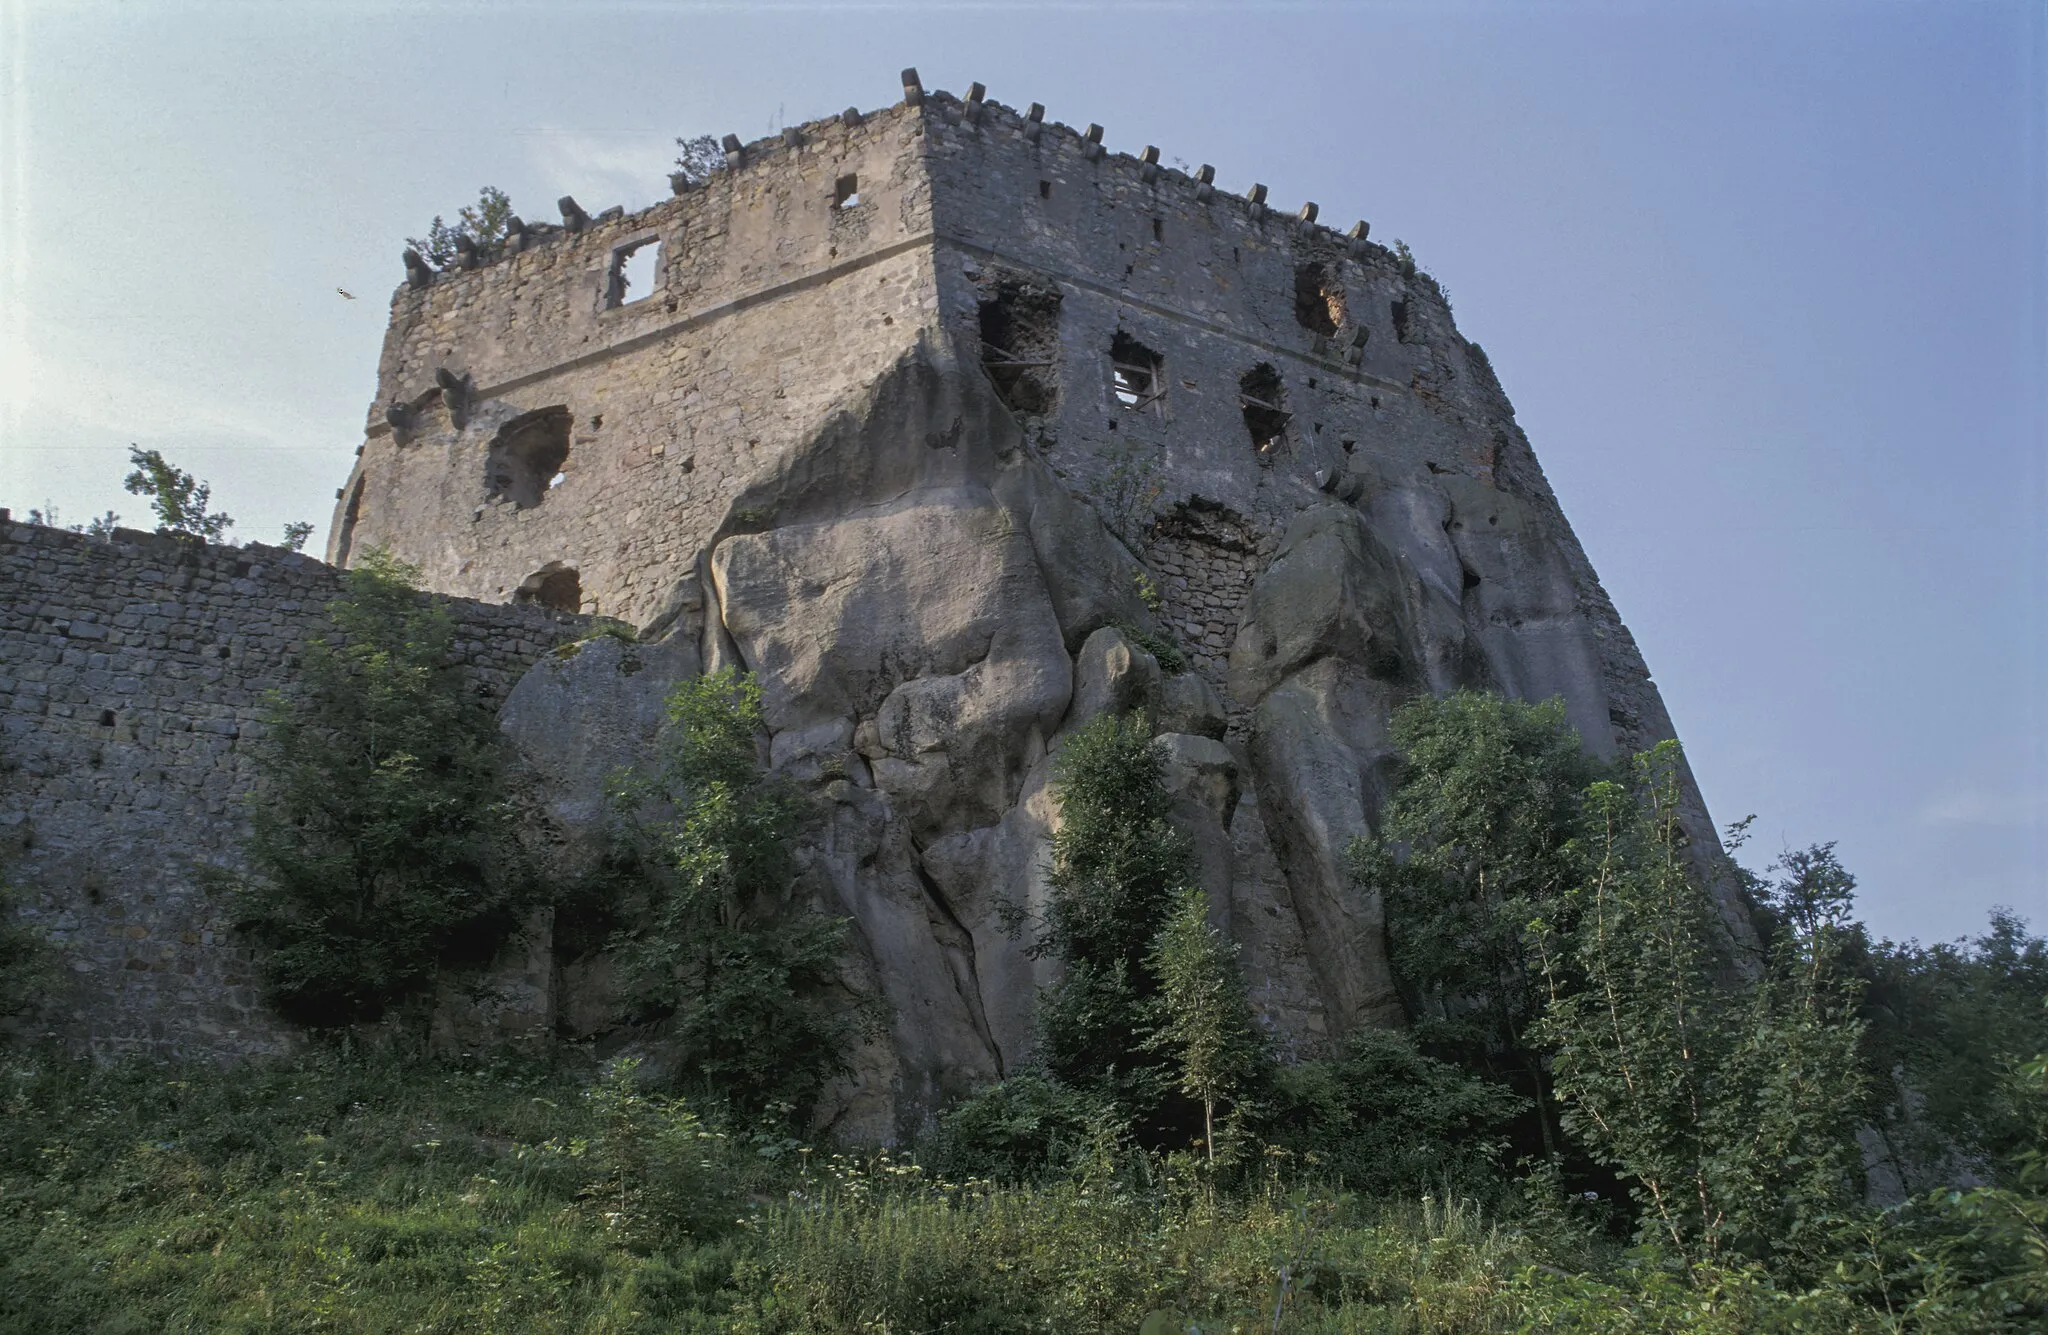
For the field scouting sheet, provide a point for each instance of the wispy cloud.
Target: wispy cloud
(605, 167)
(1974, 806)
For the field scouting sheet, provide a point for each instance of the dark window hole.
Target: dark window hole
(1318, 299)
(106, 718)
(554, 586)
(223, 651)
(1020, 339)
(1159, 231)
(1045, 189)
(1259, 393)
(1399, 312)
(527, 456)
(846, 192)
(1471, 578)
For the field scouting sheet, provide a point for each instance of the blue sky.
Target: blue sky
(1765, 282)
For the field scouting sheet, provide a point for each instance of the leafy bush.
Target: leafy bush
(1027, 1128)
(1382, 1118)
(742, 971)
(380, 847)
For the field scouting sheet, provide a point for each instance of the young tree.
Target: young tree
(1732, 1109)
(742, 969)
(179, 499)
(698, 159)
(484, 223)
(379, 847)
(1117, 867)
(1477, 840)
(1202, 1016)
(295, 535)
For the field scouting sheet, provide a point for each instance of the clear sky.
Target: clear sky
(1764, 280)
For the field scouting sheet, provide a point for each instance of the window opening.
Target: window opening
(526, 457)
(1158, 231)
(1134, 373)
(1259, 394)
(635, 269)
(555, 586)
(1020, 339)
(1045, 189)
(846, 191)
(1318, 299)
(1399, 312)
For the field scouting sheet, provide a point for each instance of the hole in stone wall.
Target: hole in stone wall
(554, 585)
(1045, 189)
(106, 718)
(347, 536)
(1399, 312)
(527, 456)
(846, 191)
(1259, 393)
(1159, 231)
(1020, 340)
(1134, 372)
(634, 273)
(1318, 299)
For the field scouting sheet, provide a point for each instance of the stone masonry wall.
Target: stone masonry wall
(775, 303)
(134, 676)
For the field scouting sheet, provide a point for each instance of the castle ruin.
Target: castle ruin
(957, 430)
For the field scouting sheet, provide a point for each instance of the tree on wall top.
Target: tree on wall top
(484, 223)
(179, 499)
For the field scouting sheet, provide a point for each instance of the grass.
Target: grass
(366, 1193)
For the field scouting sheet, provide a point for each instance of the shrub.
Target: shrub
(729, 956)
(379, 850)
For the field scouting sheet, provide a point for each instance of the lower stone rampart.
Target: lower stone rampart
(134, 678)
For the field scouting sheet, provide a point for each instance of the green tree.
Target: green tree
(1118, 866)
(1202, 1016)
(295, 535)
(379, 848)
(1946, 1022)
(1729, 1108)
(745, 973)
(698, 159)
(179, 499)
(484, 223)
(1476, 840)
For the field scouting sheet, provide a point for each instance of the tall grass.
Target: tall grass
(371, 1194)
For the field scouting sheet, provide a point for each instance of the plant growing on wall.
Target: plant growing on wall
(741, 969)
(179, 499)
(484, 223)
(379, 849)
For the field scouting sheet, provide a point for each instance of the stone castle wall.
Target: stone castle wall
(134, 679)
(774, 304)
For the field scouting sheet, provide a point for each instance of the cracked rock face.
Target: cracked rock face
(931, 610)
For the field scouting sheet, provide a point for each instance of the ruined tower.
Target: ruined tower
(957, 429)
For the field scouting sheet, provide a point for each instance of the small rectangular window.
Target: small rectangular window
(1045, 189)
(846, 192)
(635, 272)
(1134, 373)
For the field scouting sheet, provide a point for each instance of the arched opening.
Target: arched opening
(554, 586)
(527, 456)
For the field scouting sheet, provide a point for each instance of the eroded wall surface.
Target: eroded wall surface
(134, 680)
